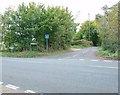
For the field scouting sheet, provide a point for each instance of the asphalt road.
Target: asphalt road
(76, 72)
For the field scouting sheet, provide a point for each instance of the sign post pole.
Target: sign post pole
(46, 44)
(47, 37)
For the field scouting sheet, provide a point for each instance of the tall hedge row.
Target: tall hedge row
(30, 23)
(107, 25)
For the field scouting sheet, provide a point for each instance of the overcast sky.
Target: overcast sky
(81, 8)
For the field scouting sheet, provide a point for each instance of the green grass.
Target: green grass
(106, 54)
(29, 54)
(79, 46)
(23, 54)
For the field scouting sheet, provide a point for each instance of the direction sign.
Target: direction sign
(46, 36)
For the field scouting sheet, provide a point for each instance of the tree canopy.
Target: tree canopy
(30, 24)
(107, 25)
(84, 32)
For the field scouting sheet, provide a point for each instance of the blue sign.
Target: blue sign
(46, 36)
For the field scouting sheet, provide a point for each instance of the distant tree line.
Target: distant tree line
(29, 24)
(103, 30)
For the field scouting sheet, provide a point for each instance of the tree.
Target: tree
(84, 32)
(107, 25)
(30, 23)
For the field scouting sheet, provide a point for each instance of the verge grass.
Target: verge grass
(80, 46)
(29, 54)
(107, 54)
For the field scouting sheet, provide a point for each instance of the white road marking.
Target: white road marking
(107, 61)
(93, 60)
(81, 59)
(73, 49)
(59, 59)
(103, 67)
(29, 91)
(25, 61)
(1, 83)
(11, 86)
(75, 55)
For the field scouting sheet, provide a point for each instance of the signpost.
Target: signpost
(46, 37)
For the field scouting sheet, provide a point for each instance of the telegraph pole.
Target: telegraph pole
(89, 24)
(76, 19)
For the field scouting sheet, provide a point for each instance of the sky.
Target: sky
(79, 8)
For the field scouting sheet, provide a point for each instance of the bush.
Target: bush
(82, 42)
(107, 54)
(33, 21)
(110, 43)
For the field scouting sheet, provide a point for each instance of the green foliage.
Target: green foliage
(107, 54)
(78, 36)
(82, 42)
(30, 23)
(84, 32)
(110, 43)
(24, 54)
(79, 46)
(107, 25)
(29, 54)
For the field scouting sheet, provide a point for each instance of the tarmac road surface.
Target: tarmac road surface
(75, 72)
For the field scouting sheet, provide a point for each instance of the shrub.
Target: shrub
(33, 21)
(82, 42)
(110, 43)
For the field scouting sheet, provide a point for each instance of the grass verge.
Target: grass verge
(106, 54)
(30, 54)
(80, 46)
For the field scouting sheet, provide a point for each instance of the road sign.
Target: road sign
(46, 36)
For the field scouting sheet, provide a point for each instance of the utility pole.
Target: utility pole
(76, 19)
(89, 24)
(77, 15)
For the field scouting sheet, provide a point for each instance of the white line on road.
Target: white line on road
(103, 67)
(68, 57)
(93, 60)
(1, 83)
(11, 86)
(29, 61)
(29, 91)
(81, 59)
(107, 61)
(75, 55)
